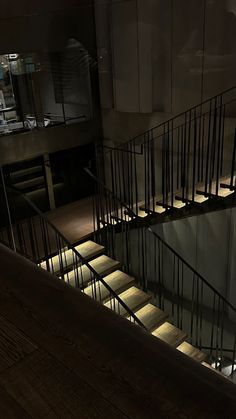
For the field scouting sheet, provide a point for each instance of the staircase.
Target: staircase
(185, 163)
(191, 302)
(153, 319)
(93, 266)
(29, 177)
(99, 276)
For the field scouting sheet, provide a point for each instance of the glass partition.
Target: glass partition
(45, 89)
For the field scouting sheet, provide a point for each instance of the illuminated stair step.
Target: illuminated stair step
(118, 281)
(151, 317)
(103, 265)
(134, 298)
(205, 364)
(192, 352)
(66, 258)
(222, 192)
(170, 334)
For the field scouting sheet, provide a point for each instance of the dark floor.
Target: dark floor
(64, 356)
(75, 220)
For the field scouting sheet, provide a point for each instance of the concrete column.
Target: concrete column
(49, 181)
(104, 53)
(132, 55)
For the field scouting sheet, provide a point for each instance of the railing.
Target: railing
(192, 303)
(38, 239)
(191, 154)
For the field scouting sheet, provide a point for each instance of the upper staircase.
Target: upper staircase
(184, 163)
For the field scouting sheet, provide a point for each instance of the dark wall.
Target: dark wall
(32, 25)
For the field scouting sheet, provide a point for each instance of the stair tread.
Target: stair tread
(120, 214)
(176, 203)
(205, 364)
(134, 298)
(154, 208)
(151, 316)
(102, 265)
(170, 334)
(87, 250)
(192, 352)
(26, 172)
(118, 281)
(222, 192)
(29, 182)
(199, 199)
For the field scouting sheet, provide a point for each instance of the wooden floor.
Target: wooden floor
(62, 355)
(75, 220)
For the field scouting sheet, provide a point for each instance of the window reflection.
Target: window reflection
(43, 90)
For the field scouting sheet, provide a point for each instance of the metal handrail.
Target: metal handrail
(83, 260)
(142, 222)
(122, 204)
(192, 269)
(189, 110)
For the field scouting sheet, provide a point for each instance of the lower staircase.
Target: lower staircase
(91, 267)
(153, 319)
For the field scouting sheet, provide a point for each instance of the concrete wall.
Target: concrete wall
(34, 25)
(207, 243)
(28, 145)
(162, 57)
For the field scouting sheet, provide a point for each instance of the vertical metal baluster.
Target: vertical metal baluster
(148, 168)
(192, 310)
(208, 150)
(233, 161)
(131, 176)
(222, 315)
(164, 167)
(213, 147)
(194, 155)
(145, 173)
(178, 299)
(159, 271)
(217, 333)
(173, 285)
(201, 308)
(218, 148)
(35, 238)
(182, 297)
(222, 142)
(162, 278)
(178, 158)
(197, 311)
(203, 149)
(172, 164)
(44, 243)
(188, 155)
(153, 183)
(233, 356)
(199, 145)
(168, 163)
(136, 182)
(184, 156)
(212, 328)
